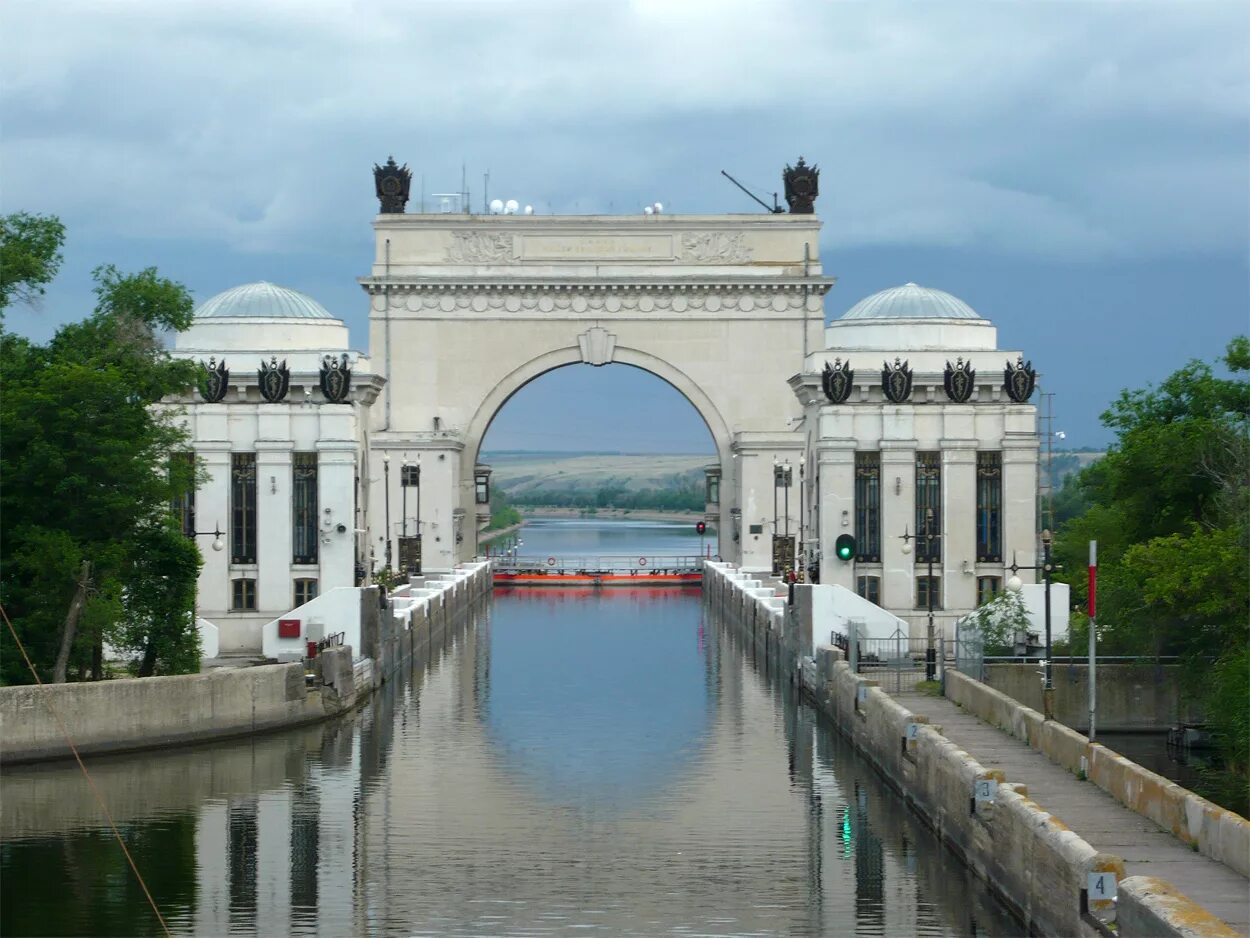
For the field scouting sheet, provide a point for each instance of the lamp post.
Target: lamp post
(386, 486)
(930, 655)
(802, 561)
(420, 553)
(1047, 567)
(403, 493)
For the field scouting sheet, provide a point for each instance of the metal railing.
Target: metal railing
(593, 565)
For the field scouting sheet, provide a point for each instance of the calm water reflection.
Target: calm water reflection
(572, 761)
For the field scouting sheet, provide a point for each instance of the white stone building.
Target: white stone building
(465, 310)
(284, 474)
(953, 442)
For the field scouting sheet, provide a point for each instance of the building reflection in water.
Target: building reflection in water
(457, 802)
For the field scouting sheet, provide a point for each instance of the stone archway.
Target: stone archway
(466, 310)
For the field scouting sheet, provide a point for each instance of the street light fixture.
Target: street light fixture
(930, 655)
(1014, 584)
(386, 486)
(219, 543)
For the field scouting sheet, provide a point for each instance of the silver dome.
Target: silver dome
(262, 300)
(911, 301)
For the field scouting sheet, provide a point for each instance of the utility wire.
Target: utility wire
(90, 781)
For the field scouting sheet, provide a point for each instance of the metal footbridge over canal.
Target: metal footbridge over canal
(599, 570)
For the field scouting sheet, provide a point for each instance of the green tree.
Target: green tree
(30, 256)
(91, 551)
(1170, 508)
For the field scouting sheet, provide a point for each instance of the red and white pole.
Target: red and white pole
(1093, 636)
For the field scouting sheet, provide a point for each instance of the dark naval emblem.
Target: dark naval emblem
(802, 186)
(896, 381)
(336, 378)
(214, 380)
(274, 380)
(391, 182)
(959, 381)
(836, 381)
(1019, 379)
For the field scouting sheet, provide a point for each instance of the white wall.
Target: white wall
(335, 611)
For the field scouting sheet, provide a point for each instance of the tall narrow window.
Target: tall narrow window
(243, 508)
(304, 508)
(868, 507)
(990, 507)
(182, 472)
(928, 497)
(869, 587)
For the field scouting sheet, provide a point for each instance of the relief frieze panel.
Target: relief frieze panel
(593, 301)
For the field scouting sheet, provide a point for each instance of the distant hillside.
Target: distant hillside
(526, 477)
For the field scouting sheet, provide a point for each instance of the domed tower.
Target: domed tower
(924, 440)
(278, 423)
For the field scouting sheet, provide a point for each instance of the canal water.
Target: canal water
(568, 762)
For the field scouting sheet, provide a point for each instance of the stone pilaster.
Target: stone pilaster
(837, 509)
(959, 504)
(898, 514)
(273, 525)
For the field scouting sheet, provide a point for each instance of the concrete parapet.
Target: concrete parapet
(1215, 832)
(1033, 862)
(153, 712)
(1152, 908)
(140, 713)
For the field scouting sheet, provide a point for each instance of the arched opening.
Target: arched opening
(639, 404)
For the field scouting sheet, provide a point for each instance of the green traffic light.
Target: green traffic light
(844, 547)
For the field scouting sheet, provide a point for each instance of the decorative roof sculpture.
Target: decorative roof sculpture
(274, 380)
(802, 184)
(896, 381)
(336, 378)
(1019, 380)
(391, 182)
(214, 380)
(837, 380)
(960, 380)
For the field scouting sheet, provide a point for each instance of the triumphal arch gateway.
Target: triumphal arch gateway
(467, 309)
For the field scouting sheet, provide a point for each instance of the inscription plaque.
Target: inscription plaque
(591, 248)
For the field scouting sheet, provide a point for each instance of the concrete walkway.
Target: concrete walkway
(1092, 813)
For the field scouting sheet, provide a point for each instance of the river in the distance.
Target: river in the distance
(571, 761)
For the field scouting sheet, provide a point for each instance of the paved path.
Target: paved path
(1147, 849)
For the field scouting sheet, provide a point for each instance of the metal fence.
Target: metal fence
(896, 662)
(631, 564)
(969, 650)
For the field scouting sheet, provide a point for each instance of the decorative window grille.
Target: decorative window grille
(926, 585)
(990, 507)
(243, 594)
(869, 587)
(929, 496)
(243, 508)
(868, 508)
(304, 508)
(305, 590)
(987, 588)
(182, 467)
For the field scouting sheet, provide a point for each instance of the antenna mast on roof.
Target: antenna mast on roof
(775, 208)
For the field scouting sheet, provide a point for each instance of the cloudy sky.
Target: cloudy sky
(1076, 172)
